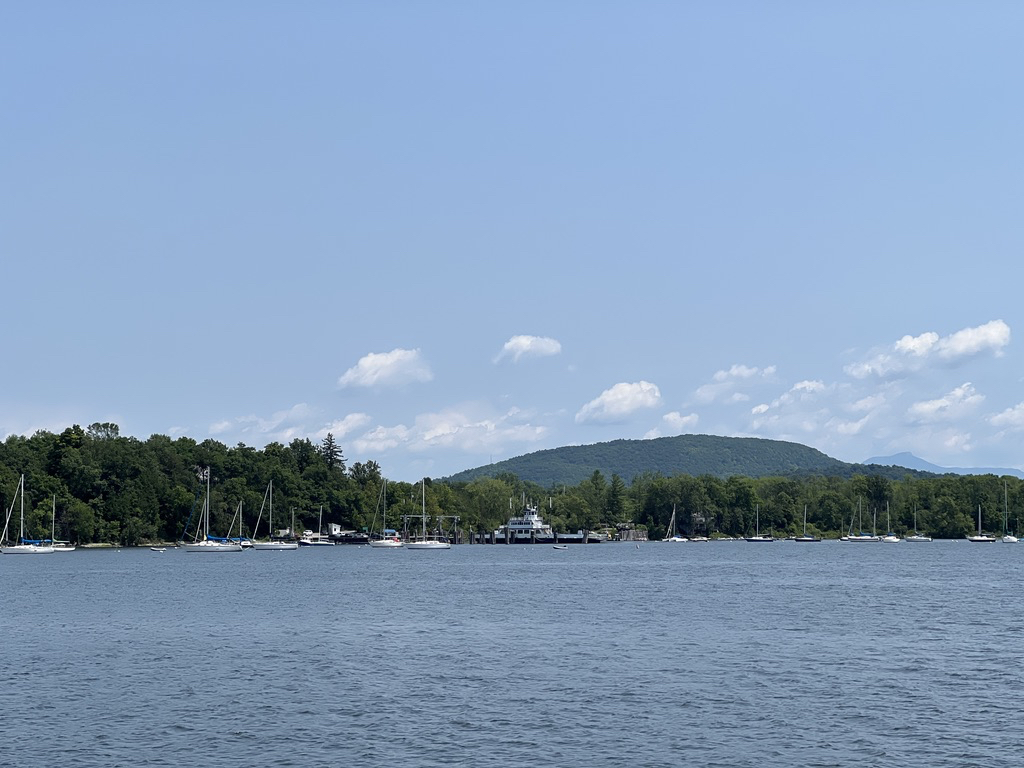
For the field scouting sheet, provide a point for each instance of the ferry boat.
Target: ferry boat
(529, 528)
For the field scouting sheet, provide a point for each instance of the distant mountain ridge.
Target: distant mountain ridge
(911, 461)
(683, 454)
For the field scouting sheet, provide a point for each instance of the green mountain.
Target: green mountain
(684, 454)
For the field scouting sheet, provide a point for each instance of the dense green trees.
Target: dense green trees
(110, 488)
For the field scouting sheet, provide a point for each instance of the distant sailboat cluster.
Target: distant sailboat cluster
(24, 545)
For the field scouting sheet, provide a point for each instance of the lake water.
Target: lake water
(719, 654)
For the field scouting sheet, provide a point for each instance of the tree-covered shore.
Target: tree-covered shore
(114, 489)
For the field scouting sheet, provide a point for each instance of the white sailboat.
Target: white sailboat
(1008, 537)
(58, 546)
(917, 536)
(317, 539)
(23, 546)
(861, 536)
(388, 537)
(672, 528)
(757, 528)
(890, 537)
(434, 542)
(271, 544)
(979, 537)
(203, 542)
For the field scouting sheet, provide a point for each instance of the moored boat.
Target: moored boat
(23, 546)
(979, 537)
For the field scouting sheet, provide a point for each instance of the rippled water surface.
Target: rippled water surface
(720, 654)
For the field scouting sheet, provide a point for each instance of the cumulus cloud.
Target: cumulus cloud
(912, 353)
(801, 391)
(341, 428)
(620, 401)
(469, 428)
(844, 427)
(381, 439)
(953, 405)
(724, 383)
(679, 423)
(1011, 418)
(387, 369)
(528, 346)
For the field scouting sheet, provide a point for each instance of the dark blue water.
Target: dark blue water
(720, 654)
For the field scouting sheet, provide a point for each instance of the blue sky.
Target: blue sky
(451, 233)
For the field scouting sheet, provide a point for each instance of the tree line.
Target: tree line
(113, 489)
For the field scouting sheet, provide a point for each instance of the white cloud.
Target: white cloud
(469, 428)
(620, 401)
(953, 405)
(919, 346)
(724, 383)
(848, 427)
(340, 428)
(809, 386)
(220, 427)
(972, 341)
(387, 369)
(1011, 418)
(381, 439)
(528, 346)
(911, 353)
(679, 423)
(799, 392)
(869, 403)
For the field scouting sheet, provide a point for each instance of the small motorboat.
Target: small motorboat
(559, 546)
(159, 549)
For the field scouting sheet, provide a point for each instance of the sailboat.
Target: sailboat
(388, 537)
(979, 537)
(203, 542)
(58, 546)
(672, 527)
(917, 536)
(890, 537)
(424, 543)
(757, 528)
(317, 539)
(861, 535)
(1008, 536)
(23, 546)
(804, 536)
(271, 544)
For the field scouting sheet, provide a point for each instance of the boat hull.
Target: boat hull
(26, 549)
(427, 545)
(213, 547)
(274, 546)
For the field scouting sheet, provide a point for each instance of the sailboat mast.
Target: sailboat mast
(206, 526)
(424, 513)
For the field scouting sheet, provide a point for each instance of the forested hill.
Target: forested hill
(693, 455)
